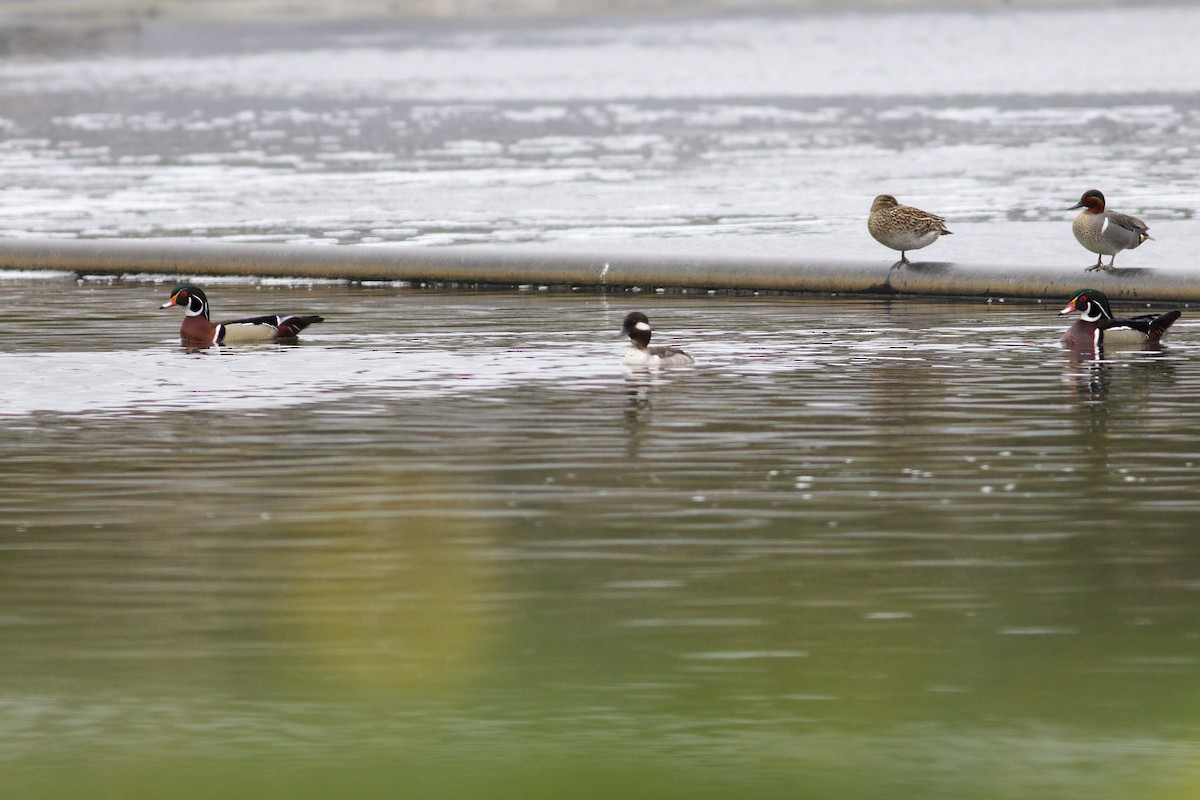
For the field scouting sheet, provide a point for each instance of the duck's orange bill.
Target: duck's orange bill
(1070, 308)
(169, 303)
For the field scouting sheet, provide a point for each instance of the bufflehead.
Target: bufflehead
(637, 328)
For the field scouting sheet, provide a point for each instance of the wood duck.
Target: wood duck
(197, 328)
(641, 354)
(903, 228)
(1097, 326)
(1105, 233)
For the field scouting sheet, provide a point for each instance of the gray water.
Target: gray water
(448, 541)
(741, 134)
(446, 545)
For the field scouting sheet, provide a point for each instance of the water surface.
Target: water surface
(448, 545)
(748, 133)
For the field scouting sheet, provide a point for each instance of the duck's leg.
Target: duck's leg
(1098, 265)
(902, 262)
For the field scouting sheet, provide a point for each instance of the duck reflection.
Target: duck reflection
(1108, 382)
(639, 384)
(1090, 371)
(1091, 381)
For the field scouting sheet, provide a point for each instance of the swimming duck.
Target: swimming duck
(1105, 233)
(1097, 326)
(197, 328)
(903, 228)
(637, 328)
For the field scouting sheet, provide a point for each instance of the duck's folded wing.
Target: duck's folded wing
(273, 320)
(269, 326)
(1153, 325)
(1127, 230)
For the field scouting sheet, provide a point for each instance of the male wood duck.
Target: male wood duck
(903, 228)
(197, 328)
(1097, 326)
(641, 354)
(1105, 233)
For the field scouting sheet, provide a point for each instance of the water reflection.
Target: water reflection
(638, 386)
(913, 538)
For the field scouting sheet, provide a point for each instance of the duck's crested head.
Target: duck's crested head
(1092, 200)
(192, 298)
(883, 201)
(637, 327)
(1091, 303)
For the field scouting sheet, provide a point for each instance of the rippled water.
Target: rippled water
(764, 134)
(449, 546)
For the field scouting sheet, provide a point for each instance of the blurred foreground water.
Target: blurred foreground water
(448, 546)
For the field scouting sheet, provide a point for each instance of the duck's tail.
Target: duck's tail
(1160, 324)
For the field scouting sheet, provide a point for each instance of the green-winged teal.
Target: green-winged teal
(197, 328)
(1105, 233)
(903, 228)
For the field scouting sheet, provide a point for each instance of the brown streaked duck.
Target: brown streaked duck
(1105, 233)
(903, 228)
(198, 329)
(641, 354)
(1096, 325)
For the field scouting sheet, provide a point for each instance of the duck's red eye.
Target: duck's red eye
(182, 295)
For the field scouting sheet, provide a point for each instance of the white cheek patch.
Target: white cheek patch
(642, 326)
